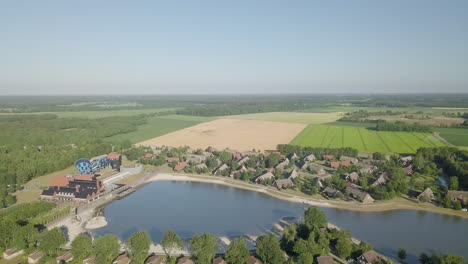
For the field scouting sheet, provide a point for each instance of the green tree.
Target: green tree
(453, 183)
(139, 244)
(237, 252)
(344, 247)
(314, 217)
(447, 202)
(269, 250)
(81, 247)
(453, 259)
(106, 248)
(457, 205)
(402, 254)
(51, 241)
(170, 242)
(204, 248)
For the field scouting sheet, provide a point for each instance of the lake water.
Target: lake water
(191, 208)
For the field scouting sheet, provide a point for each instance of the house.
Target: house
(325, 260)
(461, 196)
(350, 159)
(253, 260)
(408, 170)
(272, 170)
(172, 159)
(366, 169)
(352, 177)
(64, 180)
(335, 164)
(283, 184)
(407, 159)
(328, 157)
(357, 194)
(293, 156)
(35, 257)
(90, 260)
(293, 174)
(219, 260)
(310, 157)
(12, 253)
(304, 165)
(237, 156)
(318, 169)
(282, 164)
(266, 176)
(185, 260)
(330, 192)
(381, 180)
(115, 160)
(207, 154)
(181, 166)
(234, 173)
(148, 156)
(201, 166)
(243, 160)
(65, 257)
(221, 169)
(427, 194)
(122, 259)
(76, 191)
(345, 163)
(368, 257)
(197, 159)
(156, 260)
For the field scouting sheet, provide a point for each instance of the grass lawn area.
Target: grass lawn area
(291, 117)
(364, 139)
(158, 126)
(455, 136)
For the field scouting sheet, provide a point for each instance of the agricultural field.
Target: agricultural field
(237, 134)
(364, 139)
(455, 136)
(291, 117)
(158, 126)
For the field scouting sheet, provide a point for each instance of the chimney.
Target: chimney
(77, 188)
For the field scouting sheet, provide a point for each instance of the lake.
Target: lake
(191, 208)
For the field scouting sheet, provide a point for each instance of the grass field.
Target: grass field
(158, 126)
(364, 139)
(455, 136)
(291, 117)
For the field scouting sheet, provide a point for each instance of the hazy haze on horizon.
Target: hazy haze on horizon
(230, 47)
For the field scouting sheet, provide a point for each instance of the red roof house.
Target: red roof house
(148, 156)
(345, 163)
(172, 159)
(335, 164)
(180, 166)
(114, 156)
(328, 157)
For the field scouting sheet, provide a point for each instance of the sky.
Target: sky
(233, 47)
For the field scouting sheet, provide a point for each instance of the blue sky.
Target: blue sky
(203, 47)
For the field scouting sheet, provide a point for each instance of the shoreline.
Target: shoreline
(343, 205)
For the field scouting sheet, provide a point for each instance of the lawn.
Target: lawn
(291, 117)
(158, 126)
(364, 139)
(455, 136)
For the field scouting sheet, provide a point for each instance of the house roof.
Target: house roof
(265, 176)
(181, 166)
(11, 251)
(353, 176)
(282, 183)
(428, 193)
(90, 260)
(334, 164)
(59, 180)
(67, 256)
(328, 157)
(350, 159)
(36, 255)
(253, 260)
(219, 260)
(345, 163)
(358, 193)
(383, 178)
(293, 174)
(310, 157)
(370, 256)
(185, 260)
(325, 260)
(122, 259)
(282, 164)
(148, 155)
(330, 191)
(114, 156)
(461, 195)
(172, 159)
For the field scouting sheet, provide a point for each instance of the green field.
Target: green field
(290, 117)
(455, 136)
(158, 126)
(364, 139)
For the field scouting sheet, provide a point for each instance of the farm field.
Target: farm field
(364, 139)
(237, 134)
(291, 117)
(455, 136)
(158, 126)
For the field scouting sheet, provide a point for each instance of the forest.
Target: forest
(401, 126)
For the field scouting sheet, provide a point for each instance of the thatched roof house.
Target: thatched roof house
(427, 194)
(220, 169)
(310, 157)
(283, 184)
(330, 191)
(325, 260)
(350, 159)
(243, 160)
(219, 260)
(353, 177)
(185, 260)
(369, 257)
(381, 180)
(266, 176)
(282, 164)
(156, 260)
(201, 166)
(35, 257)
(461, 196)
(293, 174)
(253, 260)
(362, 196)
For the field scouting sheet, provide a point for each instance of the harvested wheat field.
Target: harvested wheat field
(242, 135)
